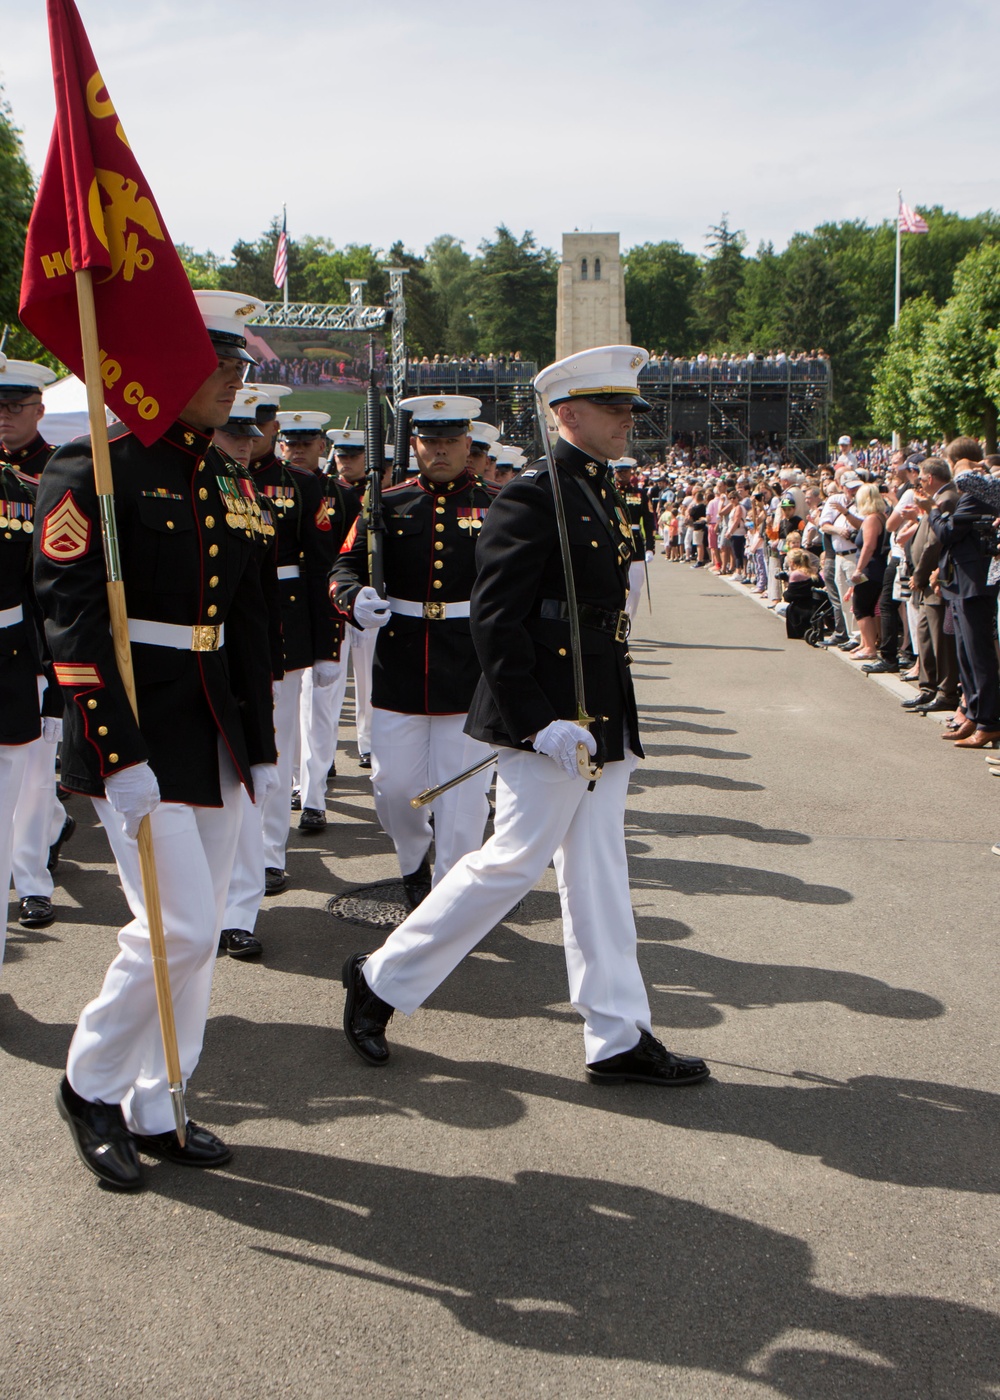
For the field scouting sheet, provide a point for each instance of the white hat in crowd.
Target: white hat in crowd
(441, 415)
(303, 423)
(225, 315)
(20, 377)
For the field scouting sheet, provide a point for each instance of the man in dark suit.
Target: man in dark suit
(937, 658)
(526, 705)
(968, 543)
(188, 529)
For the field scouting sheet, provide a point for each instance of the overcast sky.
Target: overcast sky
(385, 120)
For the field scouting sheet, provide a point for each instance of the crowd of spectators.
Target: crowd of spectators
(891, 556)
(302, 372)
(774, 364)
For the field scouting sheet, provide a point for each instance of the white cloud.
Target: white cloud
(646, 116)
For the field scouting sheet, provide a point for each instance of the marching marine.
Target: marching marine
(30, 817)
(636, 503)
(310, 628)
(540, 668)
(197, 623)
(425, 669)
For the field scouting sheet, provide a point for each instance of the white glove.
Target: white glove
(134, 793)
(650, 556)
(265, 780)
(369, 609)
(51, 729)
(558, 741)
(325, 673)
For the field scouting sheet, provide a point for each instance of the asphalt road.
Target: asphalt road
(814, 889)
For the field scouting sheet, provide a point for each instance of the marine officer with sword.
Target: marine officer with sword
(556, 699)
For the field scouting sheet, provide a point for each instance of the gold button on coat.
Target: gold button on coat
(212, 610)
(209, 522)
(112, 758)
(103, 730)
(213, 582)
(213, 550)
(202, 494)
(91, 704)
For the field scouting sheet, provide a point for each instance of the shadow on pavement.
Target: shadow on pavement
(713, 877)
(645, 778)
(684, 824)
(875, 1128)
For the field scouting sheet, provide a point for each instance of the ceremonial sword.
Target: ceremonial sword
(583, 763)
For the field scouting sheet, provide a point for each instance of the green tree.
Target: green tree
(660, 283)
(892, 405)
(17, 195)
(717, 299)
(250, 266)
(202, 268)
(956, 380)
(451, 273)
(324, 271)
(515, 296)
(756, 319)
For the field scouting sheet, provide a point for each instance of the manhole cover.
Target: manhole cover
(382, 905)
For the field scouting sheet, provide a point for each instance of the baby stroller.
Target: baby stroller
(821, 620)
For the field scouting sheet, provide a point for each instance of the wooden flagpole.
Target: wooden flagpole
(123, 655)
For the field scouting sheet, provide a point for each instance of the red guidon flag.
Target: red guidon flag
(95, 210)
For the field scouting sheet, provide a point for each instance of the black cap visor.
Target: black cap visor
(241, 427)
(231, 346)
(440, 428)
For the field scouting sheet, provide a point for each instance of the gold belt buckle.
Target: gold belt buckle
(434, 611)
(622, 628)
(205, 637)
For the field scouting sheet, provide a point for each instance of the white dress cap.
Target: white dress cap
(611, 371)
(623, 462)
(441, 415)
(225, 315)
(304, 421)
(484, 433)
(351, 438)
(23, 377)
(243, 415)
(269, 395)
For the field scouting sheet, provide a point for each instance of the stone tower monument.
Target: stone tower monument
(591, 305)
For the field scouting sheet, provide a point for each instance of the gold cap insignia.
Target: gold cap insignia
(438, 403)
(636, 361)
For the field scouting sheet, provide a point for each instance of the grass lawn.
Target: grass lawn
(338, 405)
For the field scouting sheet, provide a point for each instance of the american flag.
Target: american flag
(281, 254)
(910, 221)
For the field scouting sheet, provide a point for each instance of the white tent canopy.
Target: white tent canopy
(66, 411)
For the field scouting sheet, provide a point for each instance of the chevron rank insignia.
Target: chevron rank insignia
(65, 532)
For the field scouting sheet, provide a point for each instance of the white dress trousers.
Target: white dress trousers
(276, 808)
(636, 580)
(319, 721)
(411, 753)
(542, 814)
(116, 1054)
(246, 884)
(13, 758)
(38, 818)
(362, 655)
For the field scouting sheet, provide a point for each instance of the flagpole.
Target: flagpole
(104, 485)
(899, 248)
(284, 225)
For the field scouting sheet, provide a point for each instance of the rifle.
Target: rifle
(374, 467)
(401, 445)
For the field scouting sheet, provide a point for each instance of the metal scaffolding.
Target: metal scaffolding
(397, 306)
(321, 316)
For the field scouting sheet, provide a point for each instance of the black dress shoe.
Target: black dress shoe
(36, 911)
(364, 760)
(296, 799)
(239, 944)
(365, 1014)
(851, 645)
(935, 705)
(312, 819)
(201, 1148)
(917, 703)
(68, 827)
(275, 880)
(649, 1062)
(332, 772)
(418, 885)
(103, 1143)
(880, 668)
(836, 640)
